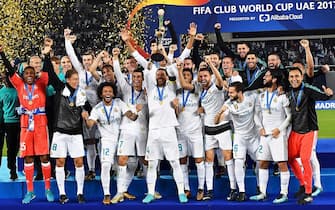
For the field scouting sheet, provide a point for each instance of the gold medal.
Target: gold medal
(30, 102)
(161, 102)
(297, 109)
(183, 109)
(269, 111)
(71, 104)
(86, 87)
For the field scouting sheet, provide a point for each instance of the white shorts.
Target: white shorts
(64, 144)
(162, 142)
(244, 144)
(272, 149)
(132, 144)
(222, 140)
(108, 149)
(191, 144)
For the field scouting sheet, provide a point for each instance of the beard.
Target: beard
(268, 84)
(234, 98)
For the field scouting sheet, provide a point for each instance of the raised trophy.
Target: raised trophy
(159, 34)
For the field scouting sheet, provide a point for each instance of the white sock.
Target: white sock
(316, 170)
(152, 176)
(178, 175)
(184, 169)
(121, 179)
(80, 177)
(201, 174)
(239, 174)
(131, 168)
(91, 156)
(105, 177)
(60, 178)
(209, 175)
(284, 182)
(231, 173)
(263, 180)
(257, 173)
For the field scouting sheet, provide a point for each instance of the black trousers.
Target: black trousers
(12, 131)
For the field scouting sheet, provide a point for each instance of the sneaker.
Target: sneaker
(129, 196)
(241, 197)
(200, 195)
(28, 197)
(90, 176)
(49, 195)
(106, 200)
(306, 199)
(232, 196)
(316, 191)
(182, 198)
(148, 199)
(259, 197)
(280, 199)
(63, 199)
(13, 176)
(157, 196)
(188, 194)
(276, 171)
(208, 195)
(80, 198)
(300, 192)
(119, 197)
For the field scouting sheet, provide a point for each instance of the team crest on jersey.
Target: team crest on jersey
(116, 109)
(275, 100)
(250, 104)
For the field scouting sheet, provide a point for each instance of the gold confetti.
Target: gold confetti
(25, 23)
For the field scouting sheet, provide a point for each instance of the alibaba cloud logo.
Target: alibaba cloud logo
(264, 18)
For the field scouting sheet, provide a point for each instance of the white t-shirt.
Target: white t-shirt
(211, 101)
(188, 118)
(242, 114)
(131, 97)
(276, 116)
(99, 114)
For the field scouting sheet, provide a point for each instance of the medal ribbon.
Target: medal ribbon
(185, 99)
(30, 93)
(160, 94)
(298, 100)
(268, 103)
(88, 80)
(108, 114)
(73, 97)
(133, 99)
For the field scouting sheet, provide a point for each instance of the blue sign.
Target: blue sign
(251, 15)
(325, 105)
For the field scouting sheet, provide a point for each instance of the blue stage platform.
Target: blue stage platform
(11, 192)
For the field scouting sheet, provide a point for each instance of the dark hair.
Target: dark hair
(89, 52)
(238, 86)
(243, 42)
(162, 69)
(69, 73)
(276, 74)
(139, 70)
(107, 66)
(252, 53)
(130, 57)
(188, 70)
(295, 68)
(28, 67)
(275, 54)
(106, 84)
(230, 57)
(206, 69)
